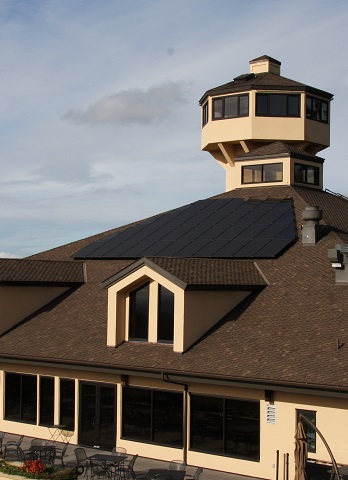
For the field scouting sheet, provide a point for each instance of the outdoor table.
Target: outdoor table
(108, 460)
(175, 474)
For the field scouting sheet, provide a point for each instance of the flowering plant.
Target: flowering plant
(33, 466)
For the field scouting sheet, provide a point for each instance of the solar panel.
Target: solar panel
(212, 228)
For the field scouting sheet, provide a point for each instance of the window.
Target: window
(165, 330)
(317, 109)
(225, 426)
(277, 105)
(153, 416)
(231, 107)
(139, 313)
(310, 432)
(268, 172)
(20, 397)
(46, 401)
(205, 114)
(67, 403)
(307, 174)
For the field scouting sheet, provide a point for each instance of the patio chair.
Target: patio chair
(197, 474)
(100, 469)
(2, 435)
(13, 446)
(177, 465)
(119, 450)
(81, 458)
(48, 454)
(126, 468)
(60, 452)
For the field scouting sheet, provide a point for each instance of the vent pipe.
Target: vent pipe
(310, 229)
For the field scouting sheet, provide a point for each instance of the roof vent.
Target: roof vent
(339, 261)
(311, 227)
(265, 64)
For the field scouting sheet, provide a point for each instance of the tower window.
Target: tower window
(317, 109)
(205, 114)
(277, 105)
(306, 174)
(269, 172)
(230, 107)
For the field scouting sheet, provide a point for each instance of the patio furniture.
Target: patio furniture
(81, 458)
(119, 450)
(197, 474)
(102, 465)
(47, 454)
(126, 468)
(2, 435)
(173, 474)
(13, 446)
(60, 452)
(177, 465)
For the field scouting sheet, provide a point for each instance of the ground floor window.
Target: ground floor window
(225, 426)
(152, 416)
(310, 432)
(20, 397)
(46, 401)
(67, 403)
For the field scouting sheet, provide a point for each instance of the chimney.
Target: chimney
(265, 64)
(311, 228)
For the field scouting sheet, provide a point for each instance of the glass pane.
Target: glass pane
(206, 424)
(310, 432)
(261, 104)
(242, 428)
(231, 107)
(315, 109)
(46, 401)
(67, 403)
(12, 396)
(244, 105)
(324, 112)
(300, 173)
(136, 414)
(252, 174)
(294, 105)
(217, 108)
(107, 421)
(139, 314)
(278, 105)
(88, 414)
(29, 398)
(205, 113)
(168, 418)
(165, 315)
(309, 107)
(273, 172)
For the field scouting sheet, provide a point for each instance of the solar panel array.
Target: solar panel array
(212, 228)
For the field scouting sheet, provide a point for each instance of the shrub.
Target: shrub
(31, 469)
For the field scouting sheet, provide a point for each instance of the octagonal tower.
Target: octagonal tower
(265, 128)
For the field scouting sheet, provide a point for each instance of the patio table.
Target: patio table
(109, 461)
(175, 474)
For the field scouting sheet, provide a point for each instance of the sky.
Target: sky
(100, 123)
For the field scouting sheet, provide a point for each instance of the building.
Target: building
(201, 333)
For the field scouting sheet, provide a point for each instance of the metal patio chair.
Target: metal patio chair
(13, 446)
(60, 452)
(81, 458)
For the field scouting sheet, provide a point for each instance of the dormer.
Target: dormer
(28, 285)
(175, 301)
(260, 108)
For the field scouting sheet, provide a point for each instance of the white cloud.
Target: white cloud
(7, 255)
(134, 106)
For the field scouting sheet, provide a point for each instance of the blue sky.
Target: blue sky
(99, 115)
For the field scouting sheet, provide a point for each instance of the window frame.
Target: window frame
(312, 437)
(134, 322)
(311, 112)
(24, 410)
(152, 420)
(46, 400)
(316, 172)
(273, 95)
(67, 411)
(262, 171)
(223, 107)
(221, 426)
(205, 113)
(164, 318)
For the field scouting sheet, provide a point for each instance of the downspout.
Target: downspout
(165, 378)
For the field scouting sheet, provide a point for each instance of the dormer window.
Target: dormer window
(307, 174)
(139, 314)
(232, 106)
(277, 105)
(165, 325)
(268, 172)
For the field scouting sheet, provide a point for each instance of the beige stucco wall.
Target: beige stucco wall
(17, 302)
(331, 415)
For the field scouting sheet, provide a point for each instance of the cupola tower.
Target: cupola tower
(265, 128)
